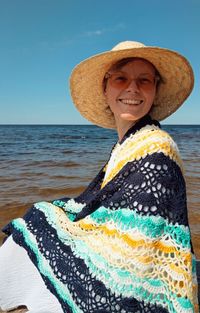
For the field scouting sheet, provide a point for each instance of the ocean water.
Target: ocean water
(45, 162)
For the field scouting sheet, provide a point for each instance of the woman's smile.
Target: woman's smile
(131, 101)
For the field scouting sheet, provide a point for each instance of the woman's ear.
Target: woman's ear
(105, 84)
(105, 90)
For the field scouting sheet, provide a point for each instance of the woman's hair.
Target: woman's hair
(119, 64)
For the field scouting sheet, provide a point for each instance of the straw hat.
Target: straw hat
(87, 78)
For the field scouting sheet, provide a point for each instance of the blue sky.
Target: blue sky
(42, 40)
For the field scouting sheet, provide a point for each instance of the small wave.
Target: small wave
(60, 192)
(67, 152)
(75, 137)
(64, 177)
(50, 164)
(71, 164)
(7, 180)
(61, 137)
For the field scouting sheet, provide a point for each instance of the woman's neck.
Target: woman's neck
(123, 127)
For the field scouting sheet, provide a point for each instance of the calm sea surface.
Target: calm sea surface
(45, 162)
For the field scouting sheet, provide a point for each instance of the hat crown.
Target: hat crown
(128, 45)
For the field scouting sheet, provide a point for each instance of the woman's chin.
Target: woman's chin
(128, 117)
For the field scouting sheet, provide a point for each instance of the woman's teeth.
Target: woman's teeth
(135, 102)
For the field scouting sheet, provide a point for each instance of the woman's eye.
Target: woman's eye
(145, 80)
(120, 78)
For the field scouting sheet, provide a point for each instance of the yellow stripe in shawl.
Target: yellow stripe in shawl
(139, 145)
(135, 243)
(178, 270)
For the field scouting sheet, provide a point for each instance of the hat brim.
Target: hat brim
(86, 83)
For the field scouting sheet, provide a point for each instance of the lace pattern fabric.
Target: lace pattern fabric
(123, 245)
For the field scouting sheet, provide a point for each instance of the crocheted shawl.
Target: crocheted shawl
(124, 244)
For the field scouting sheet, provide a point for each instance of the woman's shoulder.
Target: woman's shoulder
(148, 143)
(150, 140)
(150, 133)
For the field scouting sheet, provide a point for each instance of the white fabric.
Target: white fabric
(21, 284)
(114, 156)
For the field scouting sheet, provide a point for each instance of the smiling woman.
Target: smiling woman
(124, 244)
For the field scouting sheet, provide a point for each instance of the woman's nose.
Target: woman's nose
(132, 86)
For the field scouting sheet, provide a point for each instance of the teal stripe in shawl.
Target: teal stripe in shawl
(150, 226)
(43, 265)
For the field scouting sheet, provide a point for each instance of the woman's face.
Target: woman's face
(130, 90)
